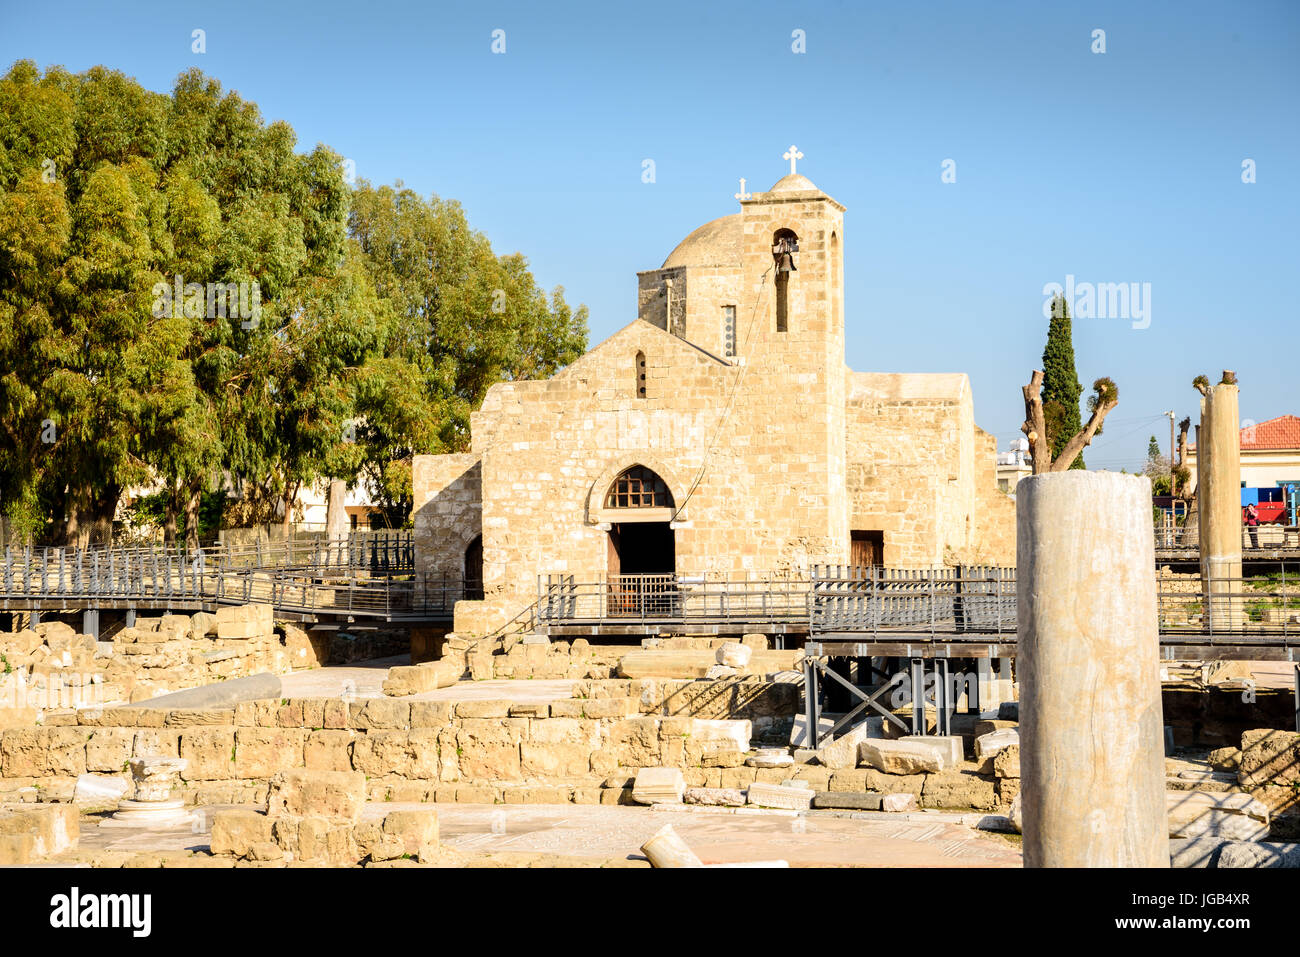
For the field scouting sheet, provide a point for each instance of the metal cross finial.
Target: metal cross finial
(792, 154)
(742, 195)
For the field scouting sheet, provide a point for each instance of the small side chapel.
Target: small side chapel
(719, 433)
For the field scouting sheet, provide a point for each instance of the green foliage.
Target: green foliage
(384, 318)
(1153, 449)
(461, 318)
(107, 192)
(1061, 387)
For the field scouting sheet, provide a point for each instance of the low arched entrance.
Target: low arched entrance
(641, 554)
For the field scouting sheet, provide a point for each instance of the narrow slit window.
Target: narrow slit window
(640, 375)
(729, 331)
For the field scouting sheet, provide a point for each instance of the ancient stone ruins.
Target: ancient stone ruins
(723, 600)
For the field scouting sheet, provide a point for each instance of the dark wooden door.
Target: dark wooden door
(866, 548)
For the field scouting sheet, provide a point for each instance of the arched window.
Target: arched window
(784, 245)
(638, 487)
(640, 375)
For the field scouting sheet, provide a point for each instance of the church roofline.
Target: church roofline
(793, 196)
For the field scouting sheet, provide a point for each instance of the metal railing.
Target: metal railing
(1263, 607)
(672, 599)
(372, 576)
(950, 604)
(1264, 537)
(934, 601)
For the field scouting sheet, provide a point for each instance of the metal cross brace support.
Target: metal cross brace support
(943, 692)
(917, 678)
(815, 665)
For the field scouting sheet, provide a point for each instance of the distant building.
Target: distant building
(1270, 453)
(1013, 465)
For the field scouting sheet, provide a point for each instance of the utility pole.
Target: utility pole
(1170, 413)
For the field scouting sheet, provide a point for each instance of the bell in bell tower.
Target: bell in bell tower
(784, 245)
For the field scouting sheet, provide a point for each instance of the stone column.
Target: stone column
(1091, 729)
(1218, 476)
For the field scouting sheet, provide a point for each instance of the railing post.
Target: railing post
(930, 583)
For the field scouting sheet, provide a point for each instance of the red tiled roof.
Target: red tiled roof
(1280, 433)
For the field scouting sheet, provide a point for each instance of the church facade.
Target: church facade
(720, 433)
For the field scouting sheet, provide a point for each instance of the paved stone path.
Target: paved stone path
(885, 840)
(922, 839)
(367, 681)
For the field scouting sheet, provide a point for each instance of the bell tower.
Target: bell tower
(790, 332)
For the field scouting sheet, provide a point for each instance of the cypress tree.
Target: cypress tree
(1061, 387)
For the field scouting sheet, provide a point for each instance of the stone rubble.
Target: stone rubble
(659, 786)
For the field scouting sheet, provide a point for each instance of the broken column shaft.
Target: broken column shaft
(1091, 728)
(1218, 490)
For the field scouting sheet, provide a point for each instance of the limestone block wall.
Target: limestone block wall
(480, 751)
(652, 298)
(1270, 770)
(906, 458)
(53, 668)
(796, 377)
(747, 469)
(699, 293)
(994, 541)
(448, 491)
(771, 459)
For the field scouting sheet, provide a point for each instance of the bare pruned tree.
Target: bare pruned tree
(1105, 396)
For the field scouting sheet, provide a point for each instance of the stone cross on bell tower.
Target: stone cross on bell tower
(792, 154)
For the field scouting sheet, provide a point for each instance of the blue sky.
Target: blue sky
(1123, 166)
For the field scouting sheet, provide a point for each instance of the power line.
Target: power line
(735, 390)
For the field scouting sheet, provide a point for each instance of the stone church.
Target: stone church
(718, 434)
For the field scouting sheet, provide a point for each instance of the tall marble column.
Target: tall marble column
(1091, 727)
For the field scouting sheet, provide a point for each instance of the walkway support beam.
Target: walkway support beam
(1091, 728)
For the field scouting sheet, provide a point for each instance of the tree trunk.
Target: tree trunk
(192, 498)
(1035, 426)
(336, 516)
(1077, 444)
(102, 513)
(76, 528)
(173, 507)
(290, 493)
(1105, 398)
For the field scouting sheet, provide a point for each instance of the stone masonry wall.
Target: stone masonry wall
(905, 473)
(52, 667)
(450, 487)
(480, 751)
(770, 459)
(995, 510)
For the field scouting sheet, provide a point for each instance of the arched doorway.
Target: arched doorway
(641, 552)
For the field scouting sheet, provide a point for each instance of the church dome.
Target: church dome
(792, 182)
(717, 243)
